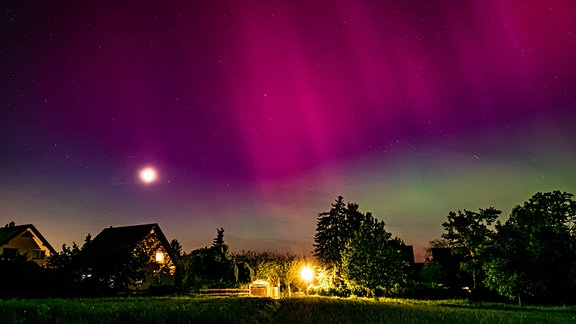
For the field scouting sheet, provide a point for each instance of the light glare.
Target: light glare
(307, 273)
(148, 175)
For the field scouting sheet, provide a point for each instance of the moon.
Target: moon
(148, 175)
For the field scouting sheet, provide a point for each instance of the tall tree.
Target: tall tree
(334, 230)
(180, 272)
(374, 260)
(534, 253)
(211, 267)
(329, 235)
(469, 233)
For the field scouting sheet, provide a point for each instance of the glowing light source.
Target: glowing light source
(159, 257)
(307, 274)
(148, 175)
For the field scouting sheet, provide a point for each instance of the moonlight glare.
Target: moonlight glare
(148, 175)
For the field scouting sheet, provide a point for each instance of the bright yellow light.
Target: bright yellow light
(159, 257)
(148, 175)
(307, 273)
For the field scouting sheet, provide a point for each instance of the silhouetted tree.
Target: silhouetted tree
(374, 260)
(469, 234)
(534, 252)
(219, 239)
(212, 267)
(334, 230)
(23, 278)
(330, 235)
(180, 272)
(70, 266)
(127, 271)
(176, 248)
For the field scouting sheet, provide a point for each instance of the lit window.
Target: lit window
(159, 257)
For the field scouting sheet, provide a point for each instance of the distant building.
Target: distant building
(449, 259)
(114, 245)
(24, 240)
(409, 255)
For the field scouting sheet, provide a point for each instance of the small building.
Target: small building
(262, 288)
(25, 240)
(111, 248)
(450, 259)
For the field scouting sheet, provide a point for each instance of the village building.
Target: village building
(24, 240)
(113, 246)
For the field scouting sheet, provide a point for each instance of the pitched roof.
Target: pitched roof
(7, 233)
(116, 242)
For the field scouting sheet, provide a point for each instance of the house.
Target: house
(24, 240)
(115, 246)
(450, 259)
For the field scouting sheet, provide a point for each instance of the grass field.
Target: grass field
(262, 310)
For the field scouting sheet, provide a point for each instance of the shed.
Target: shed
(263, 288)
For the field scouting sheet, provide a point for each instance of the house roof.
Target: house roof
(7, 233)
(115, 242)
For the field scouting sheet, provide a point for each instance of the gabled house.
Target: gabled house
(115, 249)
(25, 240)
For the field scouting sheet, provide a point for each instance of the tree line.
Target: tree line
(72, 272)
(528, 257)
(531, 256)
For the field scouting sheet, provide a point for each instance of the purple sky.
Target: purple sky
(258, 114)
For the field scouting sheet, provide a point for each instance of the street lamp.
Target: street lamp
(307, 274)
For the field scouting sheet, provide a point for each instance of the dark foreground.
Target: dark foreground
(261, 310)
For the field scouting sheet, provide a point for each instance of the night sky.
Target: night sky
(258, 114)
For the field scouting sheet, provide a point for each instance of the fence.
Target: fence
(225, 292)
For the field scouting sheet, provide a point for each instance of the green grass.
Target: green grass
(262, 310)
(139, 310)
(327, 310)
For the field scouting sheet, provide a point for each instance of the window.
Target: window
(159, 257)
(38, 254)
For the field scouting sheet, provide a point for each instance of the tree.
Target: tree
(254, 260)
(71, 266)
(289, 270)
(176, 248)
(534, 252)
(374, 260)
(180, 273)
(219, 241)
(334, 230)
(330, 236)
(127, 272)
(469, 234)
(24, 278)
(212, 267)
